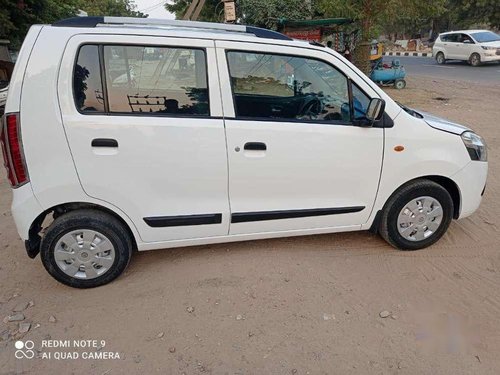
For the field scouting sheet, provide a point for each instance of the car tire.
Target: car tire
(440, 59)
(400, 84)
(410, 219)
(86, 248)
(475, 59)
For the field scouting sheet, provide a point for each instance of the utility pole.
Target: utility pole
(194, 9)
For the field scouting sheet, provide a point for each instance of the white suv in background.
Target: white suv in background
(152, 134)
(474, 46)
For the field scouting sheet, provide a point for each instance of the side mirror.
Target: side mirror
(375, 110)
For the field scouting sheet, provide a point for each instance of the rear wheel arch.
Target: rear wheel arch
(443, 55)
(34, 241)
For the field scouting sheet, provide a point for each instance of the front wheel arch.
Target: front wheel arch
(445, 182)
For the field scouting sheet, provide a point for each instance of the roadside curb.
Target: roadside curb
(410, 54)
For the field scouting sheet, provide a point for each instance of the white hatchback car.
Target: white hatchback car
(125, 133)
(474, 46)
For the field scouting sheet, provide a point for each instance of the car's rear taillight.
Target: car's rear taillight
(12, 150)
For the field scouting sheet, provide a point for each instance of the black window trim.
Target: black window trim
(107, 112)
(285, 120)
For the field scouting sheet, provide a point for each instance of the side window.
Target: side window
(360, 102)
(466, 39)
(87, 83)
(143, 79)
(272, 86)
(452, 38)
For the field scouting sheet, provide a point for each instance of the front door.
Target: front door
(296, 161)
(145, 128)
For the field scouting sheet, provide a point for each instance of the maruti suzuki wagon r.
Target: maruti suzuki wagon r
(123, 134)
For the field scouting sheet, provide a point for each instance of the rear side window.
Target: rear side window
(144, 79)
(272, 86)
(449, 38)
(87, 82)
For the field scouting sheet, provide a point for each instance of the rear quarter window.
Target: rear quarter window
(87, 80)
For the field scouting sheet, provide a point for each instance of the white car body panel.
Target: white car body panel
(56, 138)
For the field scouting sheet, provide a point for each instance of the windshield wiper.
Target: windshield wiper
(410, 111)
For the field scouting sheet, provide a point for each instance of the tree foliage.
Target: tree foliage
(468, 13)
(16, 16)
(377, 15)
(116, 8)
(212, 10)
(267, 13)
(263, 13)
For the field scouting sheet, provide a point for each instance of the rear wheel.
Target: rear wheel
(86, 248)
(440, 58)
(417, 215)
(475, 59)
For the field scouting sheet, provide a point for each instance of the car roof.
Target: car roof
(179, 28)
(464, 31)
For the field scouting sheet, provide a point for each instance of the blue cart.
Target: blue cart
(393, 74)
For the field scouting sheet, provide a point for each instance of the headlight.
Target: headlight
(475, 146)
(489, 48)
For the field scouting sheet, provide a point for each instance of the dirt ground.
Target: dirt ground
(308, 305)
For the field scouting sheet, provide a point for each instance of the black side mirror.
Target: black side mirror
(374, 112)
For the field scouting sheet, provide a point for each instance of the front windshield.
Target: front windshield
(486, 36)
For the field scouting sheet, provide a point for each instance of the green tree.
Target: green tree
(373, 15)
(467, 13)
(263, 13)
(212, 11)
(116, 8)
(266, 13)
(16, 16)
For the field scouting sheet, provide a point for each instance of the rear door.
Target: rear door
(143, 119)
(296, 161)
(452, 46)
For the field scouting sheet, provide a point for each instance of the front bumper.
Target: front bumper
(489, 57)
(471, 181)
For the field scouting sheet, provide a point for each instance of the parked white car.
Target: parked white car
(474, 46)
(224, 133)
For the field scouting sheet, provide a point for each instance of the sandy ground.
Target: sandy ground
(306, 305)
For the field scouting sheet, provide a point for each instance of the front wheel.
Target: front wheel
(417, 215)
(475, 59)
(86, 248)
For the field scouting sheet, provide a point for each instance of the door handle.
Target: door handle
(104, 142)
(255, 146)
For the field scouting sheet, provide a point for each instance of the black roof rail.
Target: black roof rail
(265, 33)
(79, 22)
(94, 21)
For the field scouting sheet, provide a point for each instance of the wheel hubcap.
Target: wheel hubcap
(420, 218)
(84, 254)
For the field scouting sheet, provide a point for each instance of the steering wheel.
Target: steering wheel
(312, 108)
